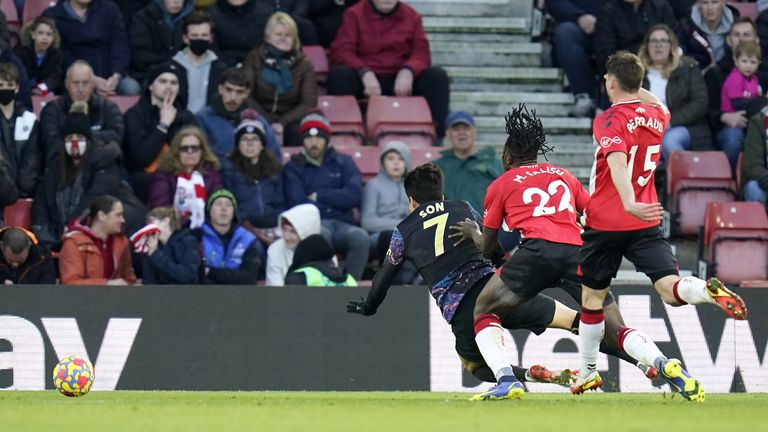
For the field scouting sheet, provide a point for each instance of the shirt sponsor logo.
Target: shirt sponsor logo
(606, 142)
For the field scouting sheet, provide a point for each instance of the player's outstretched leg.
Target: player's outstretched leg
(541, 374)
(489, 336)
(640, 346)
(692, 290)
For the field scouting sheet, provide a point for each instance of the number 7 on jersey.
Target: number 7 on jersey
(440, 222)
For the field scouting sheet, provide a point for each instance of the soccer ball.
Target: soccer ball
(73, 376)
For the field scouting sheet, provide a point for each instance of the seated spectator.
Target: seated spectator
(706, 28)
(295, 224)
(220, 118)
(95, 251)
(84, 169)
(22, 261)
(319, 175)
(676, 80)
(298, 10)
(152, 123)
(42, 57)
(326, 16)
(467, 169)
(19, 145)
(186, 176)
(755, 169)
(238, 25)
(94, 31)
(284, 86)
(105, 120)
(313, 265)
(381, 49)
(252, 173)
(742, 92)
(384, 202)
(233, 255)
(173, 254)
(202, 66)
(155, 34)
(573, 45)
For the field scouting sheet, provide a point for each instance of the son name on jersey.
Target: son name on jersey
(432, 208)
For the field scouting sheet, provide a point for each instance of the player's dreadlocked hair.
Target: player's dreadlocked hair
(526, 138)
(424, 183)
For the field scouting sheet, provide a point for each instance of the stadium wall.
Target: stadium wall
(299, 338)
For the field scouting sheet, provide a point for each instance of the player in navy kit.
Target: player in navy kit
(623, 219)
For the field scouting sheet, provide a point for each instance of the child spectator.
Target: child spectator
(95, 251)
(252, 173)
(741, 91)
(173, 253)
(313, 265)
(296, 223)
(186, 176)
(42, 57)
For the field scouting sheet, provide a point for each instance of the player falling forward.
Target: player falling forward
(542, 201)
(623, 220)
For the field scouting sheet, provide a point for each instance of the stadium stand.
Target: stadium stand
(695, 178)
(38, 103)
(12, 19)
(19, 213)
(124, 102)
(366, 159)
(408, 118)
(746, 9)
(35, 8)
(316, 55)
(344, 114)
(735, 242)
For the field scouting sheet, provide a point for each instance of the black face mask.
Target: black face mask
(199, 46)
(6, 96)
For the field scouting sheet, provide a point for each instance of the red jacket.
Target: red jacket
(383, 43)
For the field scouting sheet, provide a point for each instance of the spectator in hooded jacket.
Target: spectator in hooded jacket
(19, 136)
(381, 49)
(152, 123)
(95, 251)
(42, 57)
(22, 261)
(155, 34)
(84, 169)
(706, 28)
(284, 86)
(295, 224)
(186, 176)
(173, 254)
(202, 66)
(330, 180)
(233, 255)
(94, 31)
(239, 25)
(314, 265)
(252, 173)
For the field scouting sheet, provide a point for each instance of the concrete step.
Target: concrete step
(495, 125)
(463, 8)
(499, 103)
(478, 38)
(504, 79)
(446, 53)
(509, 25)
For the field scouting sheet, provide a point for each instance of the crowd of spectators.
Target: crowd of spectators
(194, 170)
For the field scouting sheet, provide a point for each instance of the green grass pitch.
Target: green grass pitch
(374, 411)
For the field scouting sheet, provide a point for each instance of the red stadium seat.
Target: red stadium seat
(693, 180)
(288, 152)
(19, 213)
(316, 55)
(38, 103)
(344, 114)
(746, 9)
(35, 8)
(735, 243)
(124, 102)
(408, 118)
(422, 155)
(367, 159)
(12, 19)
(740, 175)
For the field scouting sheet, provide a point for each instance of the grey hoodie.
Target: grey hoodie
(715, 38)
(197, 78)
(384, 201)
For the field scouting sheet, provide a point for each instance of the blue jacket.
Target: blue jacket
(176, 262)
(263, 198)
(232, 258)
(337, 183)
(221, 132)
(101, 40)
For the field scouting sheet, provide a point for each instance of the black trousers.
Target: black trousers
(433, 84)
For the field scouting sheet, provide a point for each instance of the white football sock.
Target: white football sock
(692, 290)
(490, 341)
(590, 336)
(641, 347)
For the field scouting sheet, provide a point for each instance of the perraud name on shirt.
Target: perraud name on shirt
(648, 122)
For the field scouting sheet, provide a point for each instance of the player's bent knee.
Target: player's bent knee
(665, 286)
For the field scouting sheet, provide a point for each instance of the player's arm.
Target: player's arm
(490, 247)
(617, 162)
(383, 279)
(650, 98)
